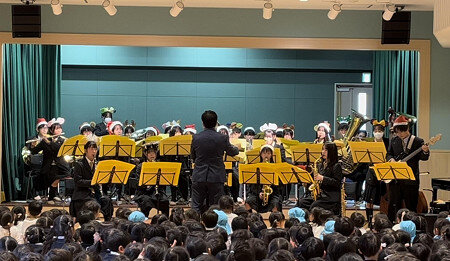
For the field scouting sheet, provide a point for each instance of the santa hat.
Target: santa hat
(249, 128)
(324, 124)
(190, 128)
(153, 129)
(58, 120)
(40, 122)
(223, 127)
(268, 126)
(401, 120)
(112, 124)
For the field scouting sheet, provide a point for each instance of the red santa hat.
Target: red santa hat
(113, 124)
(401, 120)
(40, 122)
(190, 128)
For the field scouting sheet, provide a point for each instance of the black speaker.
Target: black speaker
(26, 21)
(397, 30)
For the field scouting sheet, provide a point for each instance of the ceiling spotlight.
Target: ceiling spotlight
(56, 7)
(176, 8)
(267, 10)
(334, 11)
(109, 7)
(389, 11)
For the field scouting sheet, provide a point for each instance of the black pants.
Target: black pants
(400, 191)
(257, 204)
(235, 184)
(309, 203)
(205, 194)
(182, 191)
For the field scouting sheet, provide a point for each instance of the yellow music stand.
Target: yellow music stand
(393, 171)
(253, 156)
(257, 143)
(112, 172)
(288, 144)
(259, 173)
(229, 171)
(152, 139)
(139, 148)
(176, 145)
(73, 146)
(306, 152)
(117, 146)
(160, 173)
(341, 148)
(368, 152)
(290, 174)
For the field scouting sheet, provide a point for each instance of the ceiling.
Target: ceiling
(414, 5)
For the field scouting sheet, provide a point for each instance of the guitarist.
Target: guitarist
(400, 147)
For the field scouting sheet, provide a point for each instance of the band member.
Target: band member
(288, 132)
(270, 137)
(343, 125)
(129, 128)
(222, 129)
(401, 146)
(53, 168)
(208, 177)
(329, 177)
(236, 130)
(115, 128)
(147, 197)
(169, 125)
(107, 115)
(83, 172)
(374, 188)
(249, 135)
(189, 130)
(87, 130)
(259, 199)
(151, 131)
(323, 130)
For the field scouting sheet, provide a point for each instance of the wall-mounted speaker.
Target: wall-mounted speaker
(26, 21)
(397, 30)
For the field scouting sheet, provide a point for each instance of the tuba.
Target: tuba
(358, 120)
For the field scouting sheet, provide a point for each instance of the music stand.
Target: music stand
(393, 171)
(257, 143)
(290, 174)
(117, 146)
(306, 152)
(229, 171)
(73, 146)
(112, 172)
(368, 152)
(159, 173)
(176, 145)
(253, 156)
(139, 148)
(258, 173)
(152, 139)
(287, 146)
(341, 148)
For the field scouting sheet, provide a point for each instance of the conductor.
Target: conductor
(207, 151)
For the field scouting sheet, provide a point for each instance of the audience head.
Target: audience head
(116, 240)
(226, 204)
(369, 244)
(344, 226)
(35, 208)
(8, 244)
(195, 246)
(58, 254)
(209, 219)
(297, 213)
(239, 223)
(312, 247)
(177, 254)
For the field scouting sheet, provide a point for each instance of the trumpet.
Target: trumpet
(315, 187)
(47, 136)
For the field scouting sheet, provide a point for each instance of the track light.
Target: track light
(176, 8)
(389, 11)
(109, 7)
(56, 7)
(334, 11)
(267, 10)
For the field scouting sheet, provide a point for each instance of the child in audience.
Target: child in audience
(209, 220)
(358, 220)
(6, 221)
(276, 220)
(438, 225)
(226, 204)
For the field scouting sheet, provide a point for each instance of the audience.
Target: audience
(220, 233)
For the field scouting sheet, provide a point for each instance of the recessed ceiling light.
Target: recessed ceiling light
(304, 0)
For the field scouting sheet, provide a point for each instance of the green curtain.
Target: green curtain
(395, 81)
(31, 89)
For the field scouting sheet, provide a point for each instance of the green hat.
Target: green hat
(106, 109)
(342, 119)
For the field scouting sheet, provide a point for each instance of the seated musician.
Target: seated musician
(189, 130)
(100, 128)
(374, 188)
(288, 132)
(343, 126)
(270, 137)
(83, 171)
(87, 129)
(329, 178)
(146, 196)
(151, 131)
(249, 135)
(115, 128)
(223, 130)
(255, 198)
(323, 130)
(129, 128)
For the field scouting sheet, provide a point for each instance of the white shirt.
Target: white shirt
(317, 231)
(18, 232)
(231, 216)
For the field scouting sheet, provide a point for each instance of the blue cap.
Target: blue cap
(137, 216)
(328, 229)
(222, 221)
(297, 213)
(409, 227)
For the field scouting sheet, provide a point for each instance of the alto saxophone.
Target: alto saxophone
(315, 187)
(266, 190)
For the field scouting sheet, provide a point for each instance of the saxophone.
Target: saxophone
(266, 190)
(315, 187)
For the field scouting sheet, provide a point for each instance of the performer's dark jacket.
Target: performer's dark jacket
(82, 177)
(396, 152)
(207, 151)
(330, 187)
(100, 129)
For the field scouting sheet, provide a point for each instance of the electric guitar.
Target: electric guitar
(403, 157)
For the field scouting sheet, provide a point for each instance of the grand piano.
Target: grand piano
(437, 184)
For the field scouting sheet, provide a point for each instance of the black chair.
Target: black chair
(33, 172)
